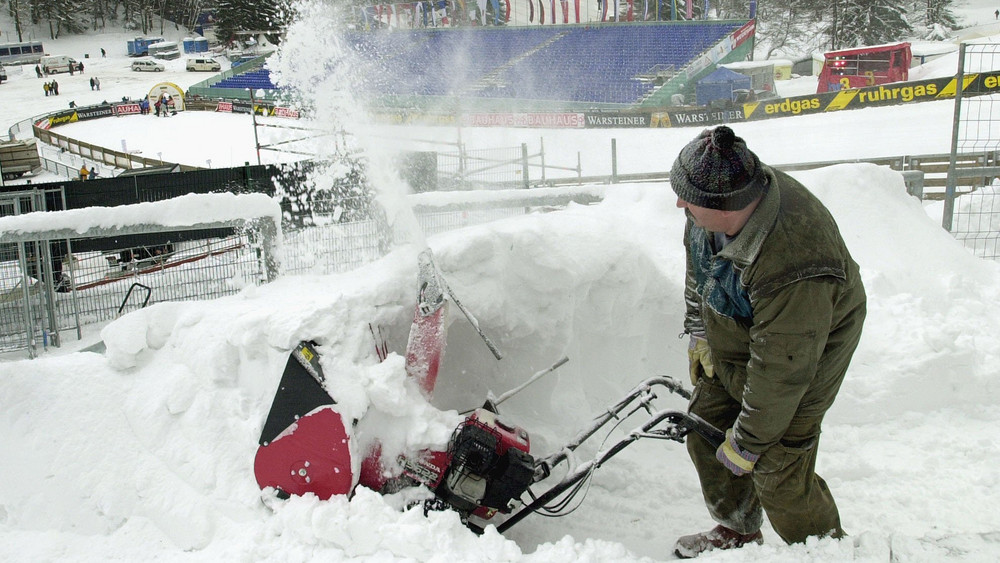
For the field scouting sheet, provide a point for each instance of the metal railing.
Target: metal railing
(96, 153)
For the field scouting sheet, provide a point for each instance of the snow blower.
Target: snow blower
(487, 467)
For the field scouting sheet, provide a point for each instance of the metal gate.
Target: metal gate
(27, 308)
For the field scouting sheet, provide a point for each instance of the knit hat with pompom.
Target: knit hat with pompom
(717, 171)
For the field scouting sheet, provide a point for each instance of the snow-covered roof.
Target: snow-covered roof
(184, 212)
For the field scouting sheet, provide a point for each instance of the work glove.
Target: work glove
(737, 460)
(699, 354)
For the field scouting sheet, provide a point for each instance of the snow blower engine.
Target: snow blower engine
(485, 470)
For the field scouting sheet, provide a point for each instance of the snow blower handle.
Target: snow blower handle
(702, 428)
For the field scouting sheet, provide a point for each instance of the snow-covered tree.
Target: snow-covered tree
(936, 12)
(234, 16)
(62, 16)
(868, 22)
(792, 26)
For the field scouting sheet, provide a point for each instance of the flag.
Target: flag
(441, 12)
(496, 11)
(481, 6)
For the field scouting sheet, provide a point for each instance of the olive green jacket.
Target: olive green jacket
(782, 306)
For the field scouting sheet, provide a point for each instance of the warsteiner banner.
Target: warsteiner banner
(94, 112)
(873, 96)
(617, 120)
(696, 117)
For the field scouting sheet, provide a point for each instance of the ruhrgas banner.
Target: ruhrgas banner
(872, 96)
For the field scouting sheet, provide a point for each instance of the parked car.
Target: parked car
(147, 66)
(207, 64)
(3, 73)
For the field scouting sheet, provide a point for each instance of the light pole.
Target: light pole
(253, 116)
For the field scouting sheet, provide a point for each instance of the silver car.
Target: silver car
(147, 65)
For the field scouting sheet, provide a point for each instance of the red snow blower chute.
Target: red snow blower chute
(487, 467)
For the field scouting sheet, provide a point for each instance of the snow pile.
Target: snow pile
(148, 452)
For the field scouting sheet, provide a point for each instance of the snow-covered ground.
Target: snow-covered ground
(146, 451)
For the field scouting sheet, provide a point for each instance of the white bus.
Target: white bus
(20, 53)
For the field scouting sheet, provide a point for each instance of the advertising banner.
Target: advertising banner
(94, 112)
(242, 106)
(285, 112)
(699, 117)
(569, 120)
(62, 118)
(874, 96)
(617, 119)
(128, 108)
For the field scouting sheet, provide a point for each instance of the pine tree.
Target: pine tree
(63, 16)
(868, 22)
(938, 12)
(791, 25)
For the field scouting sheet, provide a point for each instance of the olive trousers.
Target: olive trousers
(783, 483)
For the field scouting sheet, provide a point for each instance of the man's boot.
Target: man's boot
(718, 537)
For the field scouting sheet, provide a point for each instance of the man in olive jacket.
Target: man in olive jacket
(775, 308)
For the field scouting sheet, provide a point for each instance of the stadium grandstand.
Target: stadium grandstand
(536, 62)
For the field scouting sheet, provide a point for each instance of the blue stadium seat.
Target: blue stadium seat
(601, 63)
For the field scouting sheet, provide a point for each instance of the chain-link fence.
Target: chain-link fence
(48, 290)
(93, 287)
(972, 210)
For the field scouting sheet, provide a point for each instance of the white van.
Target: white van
(52, 64)
(208, 64)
